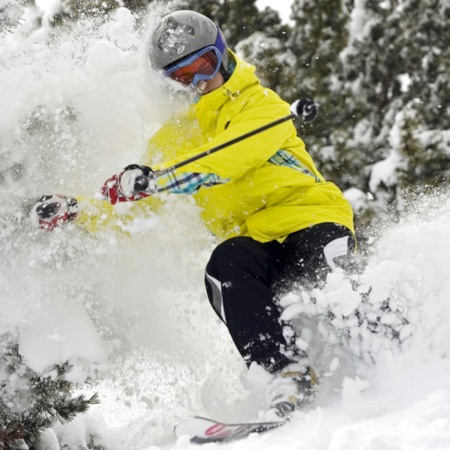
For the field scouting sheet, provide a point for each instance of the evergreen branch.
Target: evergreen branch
(39, 399)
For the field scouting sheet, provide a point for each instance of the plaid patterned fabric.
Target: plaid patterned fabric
(190, 183)
(284, 158)
(187, 183)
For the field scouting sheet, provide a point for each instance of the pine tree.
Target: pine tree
(275, 63)
(267, 50)
(238, 19)
(425, 52)
(210, 8)
(395, 83)
(361, 84)
(73, 10)
(31, 402)
(319, 35)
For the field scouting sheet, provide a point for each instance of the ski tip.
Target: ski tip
(192, 426)
(202, 430)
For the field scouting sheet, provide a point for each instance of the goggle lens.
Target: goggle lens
(206, 64)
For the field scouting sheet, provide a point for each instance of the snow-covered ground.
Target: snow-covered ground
(131, 312)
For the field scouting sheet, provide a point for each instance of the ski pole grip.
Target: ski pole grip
(305, 108)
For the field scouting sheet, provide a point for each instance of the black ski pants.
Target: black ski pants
(244, 278)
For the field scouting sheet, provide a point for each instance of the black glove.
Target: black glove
(307, 109)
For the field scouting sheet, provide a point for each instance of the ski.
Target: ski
(202, 430)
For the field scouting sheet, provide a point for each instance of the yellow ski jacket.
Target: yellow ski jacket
(266, 186)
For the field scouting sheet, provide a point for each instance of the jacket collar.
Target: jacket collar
(242, 76)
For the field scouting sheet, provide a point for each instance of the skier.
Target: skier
(278, 219)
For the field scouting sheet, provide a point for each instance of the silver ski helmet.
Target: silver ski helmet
(182, 33)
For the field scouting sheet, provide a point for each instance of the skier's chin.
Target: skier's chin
(202, 87)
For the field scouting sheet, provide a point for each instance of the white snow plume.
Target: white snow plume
(369, 380)
(77, 106)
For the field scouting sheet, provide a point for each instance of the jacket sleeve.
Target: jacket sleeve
(95, 215)
(235, 160)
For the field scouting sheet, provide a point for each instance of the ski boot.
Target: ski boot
(292, 388)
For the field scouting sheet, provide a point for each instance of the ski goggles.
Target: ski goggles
(201, 65)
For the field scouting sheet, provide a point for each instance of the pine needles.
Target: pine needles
(31, 402)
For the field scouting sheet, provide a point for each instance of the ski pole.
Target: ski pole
(305, 108)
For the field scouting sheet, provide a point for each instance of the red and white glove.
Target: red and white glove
(133, 183)
(52, 211)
